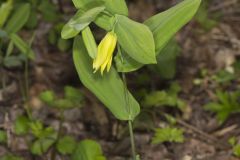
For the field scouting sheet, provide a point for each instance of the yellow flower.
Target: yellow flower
(105, 52)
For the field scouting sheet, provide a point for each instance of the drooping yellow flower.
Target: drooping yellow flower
(105, 52)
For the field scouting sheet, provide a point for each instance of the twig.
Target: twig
(215, 142)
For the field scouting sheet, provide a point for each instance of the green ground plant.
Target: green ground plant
(137, 44)
(227, 103)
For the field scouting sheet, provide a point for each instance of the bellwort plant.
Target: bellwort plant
(136, 44)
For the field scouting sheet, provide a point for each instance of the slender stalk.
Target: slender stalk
(130, 127)
(26, 88)
(132, 139)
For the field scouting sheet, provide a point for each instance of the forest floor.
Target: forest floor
(204, 52)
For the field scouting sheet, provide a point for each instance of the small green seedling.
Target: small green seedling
(236, 146)
(227, 104)
(165, 98)
(168, 134)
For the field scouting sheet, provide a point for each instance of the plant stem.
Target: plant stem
(132, 139)
(26, 88)
(130, 127)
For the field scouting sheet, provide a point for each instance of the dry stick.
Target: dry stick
(215, 141)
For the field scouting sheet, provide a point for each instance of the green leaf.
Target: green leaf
(21, 125)
(136, 39)
(47, 97)
(36, 128)
(32, 20)
(22, 46)
(40, 146)
(165, 98)
(12, 61)
(66, 145)
(113, 6)
(18, 19)
(108, 88)
(166, 66)
(226, 105)
(5, 10)
(165, 24)
(81, 3)
(232, 141)
(124, 63)
(116, 7)
(80, 21)
(236, 150)
(11, 157)
(46, 137)
(49, 10)
(63, 104)
(63, 44)
(105, 21)
(88, 150)
(168, 135)
(202, 17)
(3, 136)
(73, 94)
(89, 42)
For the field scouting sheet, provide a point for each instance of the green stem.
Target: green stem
(132, 139)
(26, 88)
(130, 127)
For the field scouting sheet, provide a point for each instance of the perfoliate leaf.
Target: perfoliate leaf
(108, 88)
(165, 24)
(136, 39)
(88, 150)
(18, 18)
